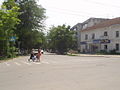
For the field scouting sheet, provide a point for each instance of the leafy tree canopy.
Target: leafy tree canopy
(32, 20)
(8, 19)
(61, 39)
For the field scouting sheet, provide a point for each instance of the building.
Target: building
(81, 26)
(103, 36)
(77, 29)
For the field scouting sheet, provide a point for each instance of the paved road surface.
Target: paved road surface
(58, 72)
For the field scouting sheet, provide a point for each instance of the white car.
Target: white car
(42, 51)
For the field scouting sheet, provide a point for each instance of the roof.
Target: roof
(93, 18)
(104, 24)
(79, 26)
(75, 26)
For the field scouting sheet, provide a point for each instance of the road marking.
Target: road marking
(36, 62)
(26, 63)
(7, 64)
(45, 62)
(17, 64)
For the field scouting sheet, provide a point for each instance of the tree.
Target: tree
(61, 39)
(36, 39)
(32, 20)
(8, 19)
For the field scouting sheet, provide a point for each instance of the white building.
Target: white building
(102, 36)
(80, 26)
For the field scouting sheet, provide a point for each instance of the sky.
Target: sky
(71, 12)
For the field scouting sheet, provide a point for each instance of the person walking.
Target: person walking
(38, 55)
(32, 56)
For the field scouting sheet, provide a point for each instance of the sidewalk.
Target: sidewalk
(95, 55)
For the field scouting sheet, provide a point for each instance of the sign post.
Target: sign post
(12, 39)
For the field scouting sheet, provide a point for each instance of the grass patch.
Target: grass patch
(71, 54)
(6, 59)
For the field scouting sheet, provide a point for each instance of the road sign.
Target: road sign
(13, 38)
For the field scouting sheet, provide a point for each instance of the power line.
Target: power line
(103, 4)
(81, 13)
(68, 13)
(71, 11)
(78, 13)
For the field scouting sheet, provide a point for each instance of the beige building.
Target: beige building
(80, 26)
(103, 36)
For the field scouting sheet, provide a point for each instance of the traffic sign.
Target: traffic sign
(13, 38)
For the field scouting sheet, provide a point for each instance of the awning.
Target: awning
(82, 43)
(96, 41)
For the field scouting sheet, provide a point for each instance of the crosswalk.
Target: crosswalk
(21, 63)
(17, 63)
(7, 64)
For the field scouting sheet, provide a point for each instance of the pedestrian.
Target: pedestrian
(32, 56)
(38, 55)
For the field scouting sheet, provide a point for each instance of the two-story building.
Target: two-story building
(81, 26)
(102, 36)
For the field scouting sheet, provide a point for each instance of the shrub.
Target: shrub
(113, 51)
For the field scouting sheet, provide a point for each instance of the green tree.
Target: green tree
(61, 39)
(8, 19)
(36, 39)
(40, 40)
(32, 20)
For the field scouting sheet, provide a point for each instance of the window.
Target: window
(86, 47)
(105, 47)
(105, 34)
(117, 46)
(117, 33)
(76, 33)
(86, 37)
(93, 36)
(85, 26)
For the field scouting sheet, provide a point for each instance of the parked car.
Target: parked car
(42, 51)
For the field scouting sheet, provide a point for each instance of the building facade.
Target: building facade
(103, 36)
(81, 26)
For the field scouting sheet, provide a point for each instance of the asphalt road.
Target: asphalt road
(60, 72)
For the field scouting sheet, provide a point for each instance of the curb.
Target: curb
(88, 55)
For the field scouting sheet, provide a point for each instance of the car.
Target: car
(42, 51)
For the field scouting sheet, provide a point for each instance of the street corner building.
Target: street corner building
(104, 35)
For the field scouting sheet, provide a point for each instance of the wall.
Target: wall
(99, 34)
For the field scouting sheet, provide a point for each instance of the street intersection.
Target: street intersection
(61, 72)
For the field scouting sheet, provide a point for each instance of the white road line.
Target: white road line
(26, 63)
(45, 62)
(36, 62)
(17, 64)
(7, 64)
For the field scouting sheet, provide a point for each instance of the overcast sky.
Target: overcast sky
(71, 12)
